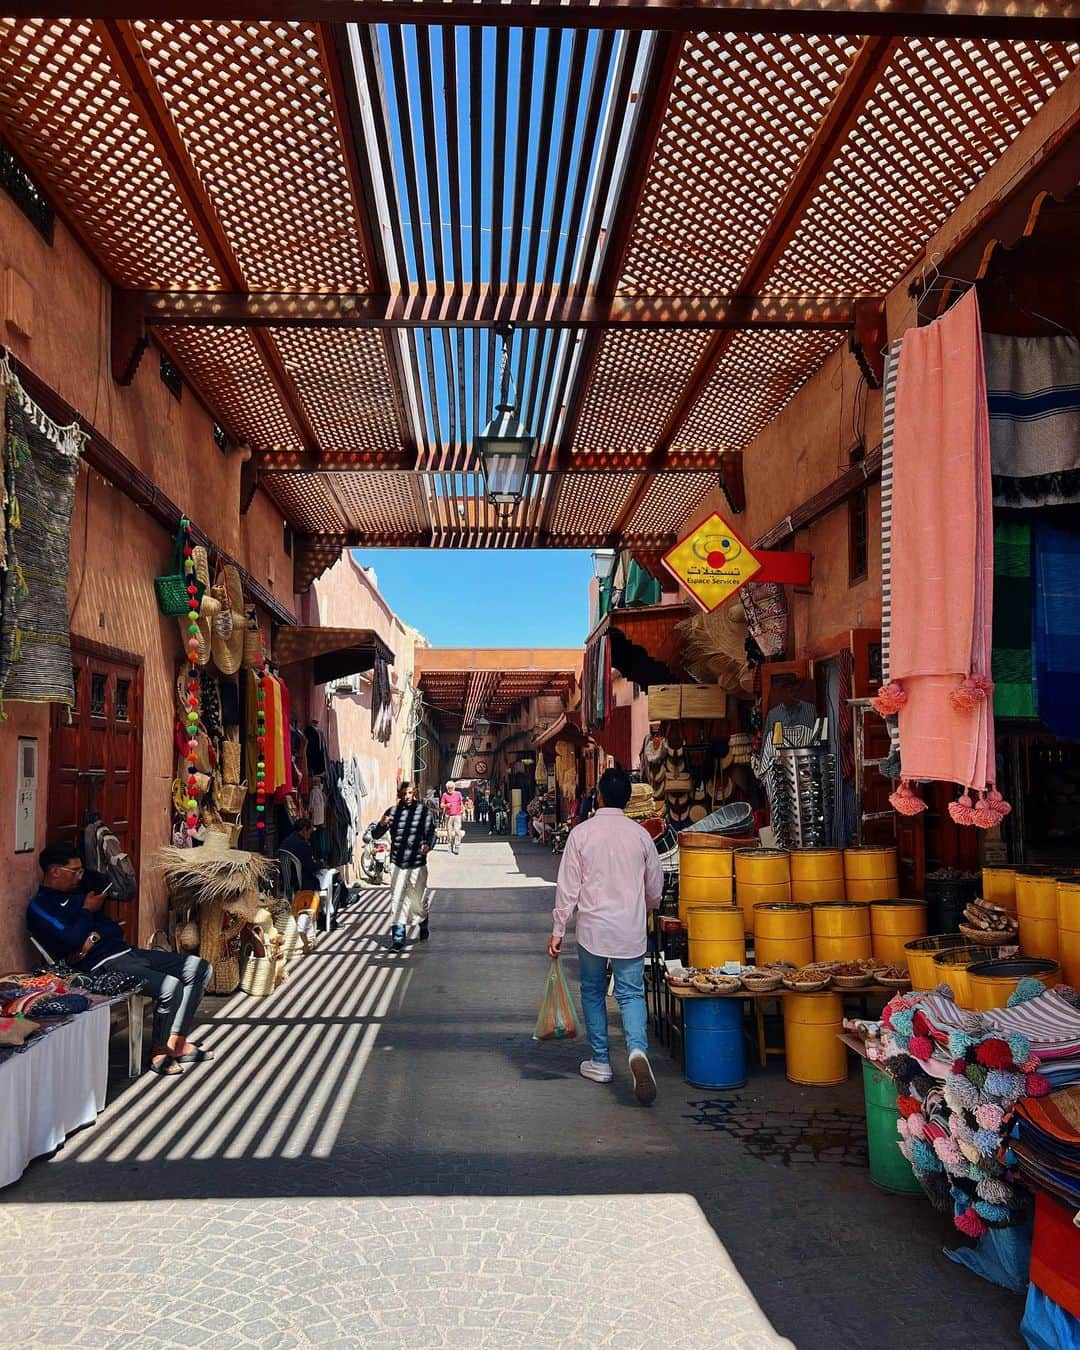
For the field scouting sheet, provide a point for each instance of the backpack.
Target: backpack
(103, 852)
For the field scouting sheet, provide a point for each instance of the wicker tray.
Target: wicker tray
(853, 981)
(889, 982)
(761, 984)
(982, 938)
(808, 986)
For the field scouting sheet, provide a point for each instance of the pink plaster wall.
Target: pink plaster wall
(117, 550)
(347, 597)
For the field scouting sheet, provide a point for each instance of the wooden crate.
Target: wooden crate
(669, 702)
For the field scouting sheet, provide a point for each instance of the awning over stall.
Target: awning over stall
(565, 728)
(643, 642)
(334, 653)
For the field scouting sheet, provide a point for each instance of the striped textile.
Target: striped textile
(888, 423)
(1033, 387)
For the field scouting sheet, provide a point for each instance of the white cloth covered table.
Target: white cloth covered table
(52, 1088)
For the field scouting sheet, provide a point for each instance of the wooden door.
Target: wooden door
(95, 759)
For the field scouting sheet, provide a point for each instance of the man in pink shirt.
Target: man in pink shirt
(610, 873)
(453, 804)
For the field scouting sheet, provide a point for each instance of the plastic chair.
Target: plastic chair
(136, 1008)
(292, 880)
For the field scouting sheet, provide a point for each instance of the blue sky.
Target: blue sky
(487, 597)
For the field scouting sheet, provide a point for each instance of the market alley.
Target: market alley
(423, 1173)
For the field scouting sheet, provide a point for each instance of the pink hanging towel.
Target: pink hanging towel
(942, 552)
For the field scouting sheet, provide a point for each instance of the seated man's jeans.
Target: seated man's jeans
(176, 984)
(629, 994)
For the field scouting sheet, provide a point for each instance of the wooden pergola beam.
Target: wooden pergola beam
(1037, 20)
(482, 307)
(121, 44)
(862, 78)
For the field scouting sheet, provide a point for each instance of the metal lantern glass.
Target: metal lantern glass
(505, 450)
(603, 561)
(504, 447)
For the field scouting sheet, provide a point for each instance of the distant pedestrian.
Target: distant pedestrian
(412, 834)
(481, 808)
(497, 813)
(453, 804)
(610, 874)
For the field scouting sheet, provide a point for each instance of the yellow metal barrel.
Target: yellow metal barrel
(705, 872)
(870, 873)
(952, 969)
(993, 983)
(783, 932)
(1068, 919)
(999, 887)
(893, 924)
(762, 877)
(1037, 913)
(716, 935)
(813, 1050)
(841, 931)
(817, 874)
(920, 955)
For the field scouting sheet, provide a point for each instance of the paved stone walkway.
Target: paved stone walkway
(381, 1156)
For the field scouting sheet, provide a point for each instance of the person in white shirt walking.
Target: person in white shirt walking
(610, 874)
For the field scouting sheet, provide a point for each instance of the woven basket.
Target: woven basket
(983, 938)
(229, 797)
(852, 981)
(761, 984)
(226, 977)
(230, 761)
(252, 638)
(285, 923)
(808, 986)
(890, 982)
(257, 975)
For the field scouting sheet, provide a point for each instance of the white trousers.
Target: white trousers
(408, 894)
(454, 830)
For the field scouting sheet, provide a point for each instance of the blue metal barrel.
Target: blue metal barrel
(714, 1043)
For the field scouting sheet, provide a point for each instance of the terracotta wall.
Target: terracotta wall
(797, 455)
(347, 596)
(116, 550)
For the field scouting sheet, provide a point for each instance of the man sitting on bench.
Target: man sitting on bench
(72, 927)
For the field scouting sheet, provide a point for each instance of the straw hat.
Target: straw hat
(227, 641)
(207, 609)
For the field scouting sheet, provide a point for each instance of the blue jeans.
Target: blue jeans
(629, 994)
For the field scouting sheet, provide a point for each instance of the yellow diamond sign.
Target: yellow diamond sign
(712, 562)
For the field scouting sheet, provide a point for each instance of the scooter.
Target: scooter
(375, 857)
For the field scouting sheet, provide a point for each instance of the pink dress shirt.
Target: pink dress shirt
(610, 873)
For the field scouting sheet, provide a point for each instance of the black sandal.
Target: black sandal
(167, 1066)
(196, 1056)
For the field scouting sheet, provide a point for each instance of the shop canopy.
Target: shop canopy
(565, 728)
(681, 208)
(334, 653)
(643, 642)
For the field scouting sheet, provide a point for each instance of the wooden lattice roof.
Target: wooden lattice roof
(683, 209)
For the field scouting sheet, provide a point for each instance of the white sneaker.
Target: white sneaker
(599, 1073)
(644, 1082)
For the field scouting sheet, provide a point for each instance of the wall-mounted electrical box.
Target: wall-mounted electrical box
(26, 795)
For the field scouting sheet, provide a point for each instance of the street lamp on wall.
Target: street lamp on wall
(603, 561)
(504, 447)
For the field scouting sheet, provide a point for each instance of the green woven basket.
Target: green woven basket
(172, 588)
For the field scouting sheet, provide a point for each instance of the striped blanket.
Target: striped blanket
(1033, 388)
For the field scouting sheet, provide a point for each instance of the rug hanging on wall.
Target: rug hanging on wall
(41, 466)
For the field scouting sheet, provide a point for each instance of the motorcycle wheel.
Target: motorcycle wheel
(371, 869)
